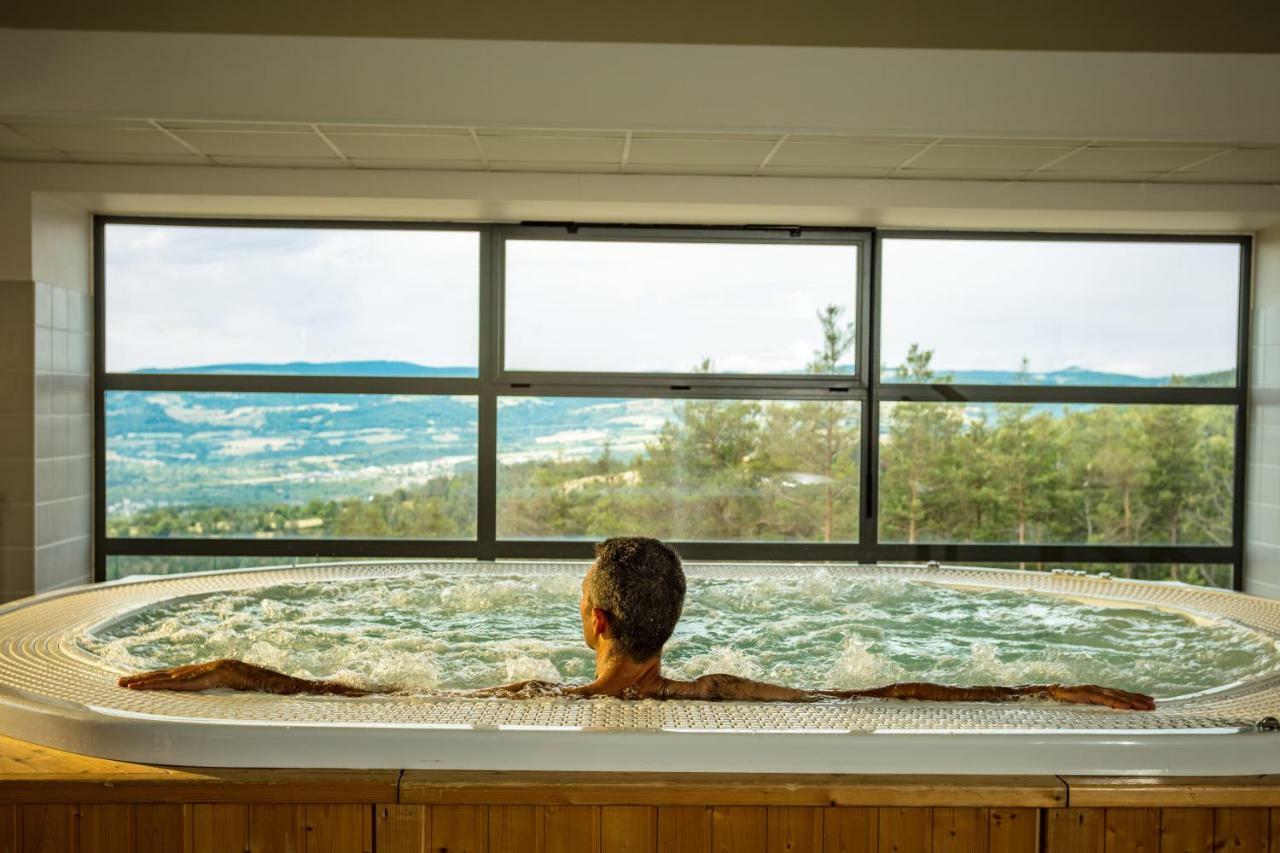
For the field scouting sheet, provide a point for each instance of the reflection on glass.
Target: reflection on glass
(1051, 473)
(677, 307)
(678, 469)
(290, 465)
(1041, 312)
(327, 301)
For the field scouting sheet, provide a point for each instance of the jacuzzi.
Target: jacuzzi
(55, 693)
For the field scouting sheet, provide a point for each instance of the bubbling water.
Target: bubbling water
(427, 631)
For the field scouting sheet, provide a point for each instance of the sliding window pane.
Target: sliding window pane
(679, 307)
(292, 301)
(1056, 474)
(574, 468)
(1044, 312)
(209, 465)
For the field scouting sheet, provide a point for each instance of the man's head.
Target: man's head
(632, 594)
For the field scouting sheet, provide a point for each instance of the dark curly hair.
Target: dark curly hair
(639, 582)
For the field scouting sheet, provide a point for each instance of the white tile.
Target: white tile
(1130, 160)
(333, 162)
(1262, 523)
(693, 152)
(823, 171)
(1270, 372)
(845, 154)
(253, 144)
(44, 304)
(988, 158)
(532, 149)
(58, 318)
(422, 165)
(1259, 163)
(407, 146)
(912, 173)
(544, 166)
(103, 140)
(721, 169)
(1264, 484)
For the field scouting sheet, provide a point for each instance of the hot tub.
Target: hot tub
(58, 688)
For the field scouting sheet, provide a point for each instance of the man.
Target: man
(631, 600)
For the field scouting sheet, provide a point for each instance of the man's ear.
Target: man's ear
(600, 622)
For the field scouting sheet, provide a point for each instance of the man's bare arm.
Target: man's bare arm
(735, 688)
(238, 675)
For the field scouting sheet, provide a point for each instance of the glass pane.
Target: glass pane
(677, 469)
(1115, 475)
(351, 302)
(679, 307)
(125, 565)
(209, 465)
(1198, 574)
(1041, 312)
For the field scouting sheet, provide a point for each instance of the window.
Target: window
(282, 391)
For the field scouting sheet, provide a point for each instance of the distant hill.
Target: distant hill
(323, 368)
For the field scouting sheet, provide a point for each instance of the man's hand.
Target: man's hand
(1092, 694)
(235, 675)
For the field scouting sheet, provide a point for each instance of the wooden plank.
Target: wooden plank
(401, 829)
(332, 828)
(516, 829)
(277, 828)
(1244, 830)
(684, 829)
(1014, 831)
(961, 830)
(738, 829)
(163, 828)
(793, 829)
(1174, 791)
(905, 830)
(1075, 830)
(10, 829)
(219, 828)
(499, 787)
(1186, 830)
(850, 829)
(107, 829)
(629, 829)
(1132, 830)
(48, 829)
(571, 829)
(459, 829)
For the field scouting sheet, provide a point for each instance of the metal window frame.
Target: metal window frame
(494, 381)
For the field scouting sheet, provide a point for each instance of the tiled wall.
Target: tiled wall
(1262, 522)
(17, 438)
(63, 437)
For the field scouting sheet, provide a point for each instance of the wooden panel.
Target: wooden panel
(793, 829)
(219, 828)
(1186, 830)
(1132, 830)
(905, 830)
(401, 829)
(961, 830)
(850, 829)
(516, 829)
(277, 828)
(1241, 830)
(500, 787)
(339, 828)
(684, 829)
(1174, 791)
(738, 829)
(48, 829)
(10, 829)
(571, 829)
(628, 829)
(106, 829)
(163, 828)
(459, 829)
(1014, 831)
(1075, 830)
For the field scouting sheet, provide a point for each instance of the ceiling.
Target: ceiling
(605, 151)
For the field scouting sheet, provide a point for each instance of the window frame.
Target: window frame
(494, 381)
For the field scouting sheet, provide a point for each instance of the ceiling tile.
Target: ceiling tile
(865, 155)
(102, 140)
(406, 146)
(699, 152)
(1095, 177)
(238, 126)
(282, 162)
(186, 159)
(430, 165)
(1011, 142)
(254, 144)
(551, 149)
(1203, 178)
(552, 133)
(1243, 161)
(32, 154)
(846, 139)
(11, 140)
(718, 169)
(959, 174)
(823, 171)
(987, 158)
(1134, 160)
(545, 166)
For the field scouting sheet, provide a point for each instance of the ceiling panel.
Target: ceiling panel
(721, 169)
(330, 162)
(1134, 160)
(823, 171)
(988, 158)
(429, 165)
(406, 146)
(11, 140)
(960, 174)
(697, 151)
(102, 140)
(866, 155)
(551, 149)
(545, 166)
(1242, 161)
(221, 143)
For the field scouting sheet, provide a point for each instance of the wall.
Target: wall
(1262, 516)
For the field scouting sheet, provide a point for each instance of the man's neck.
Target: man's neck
(617, 674)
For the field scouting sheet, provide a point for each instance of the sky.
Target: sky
(189, 296)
